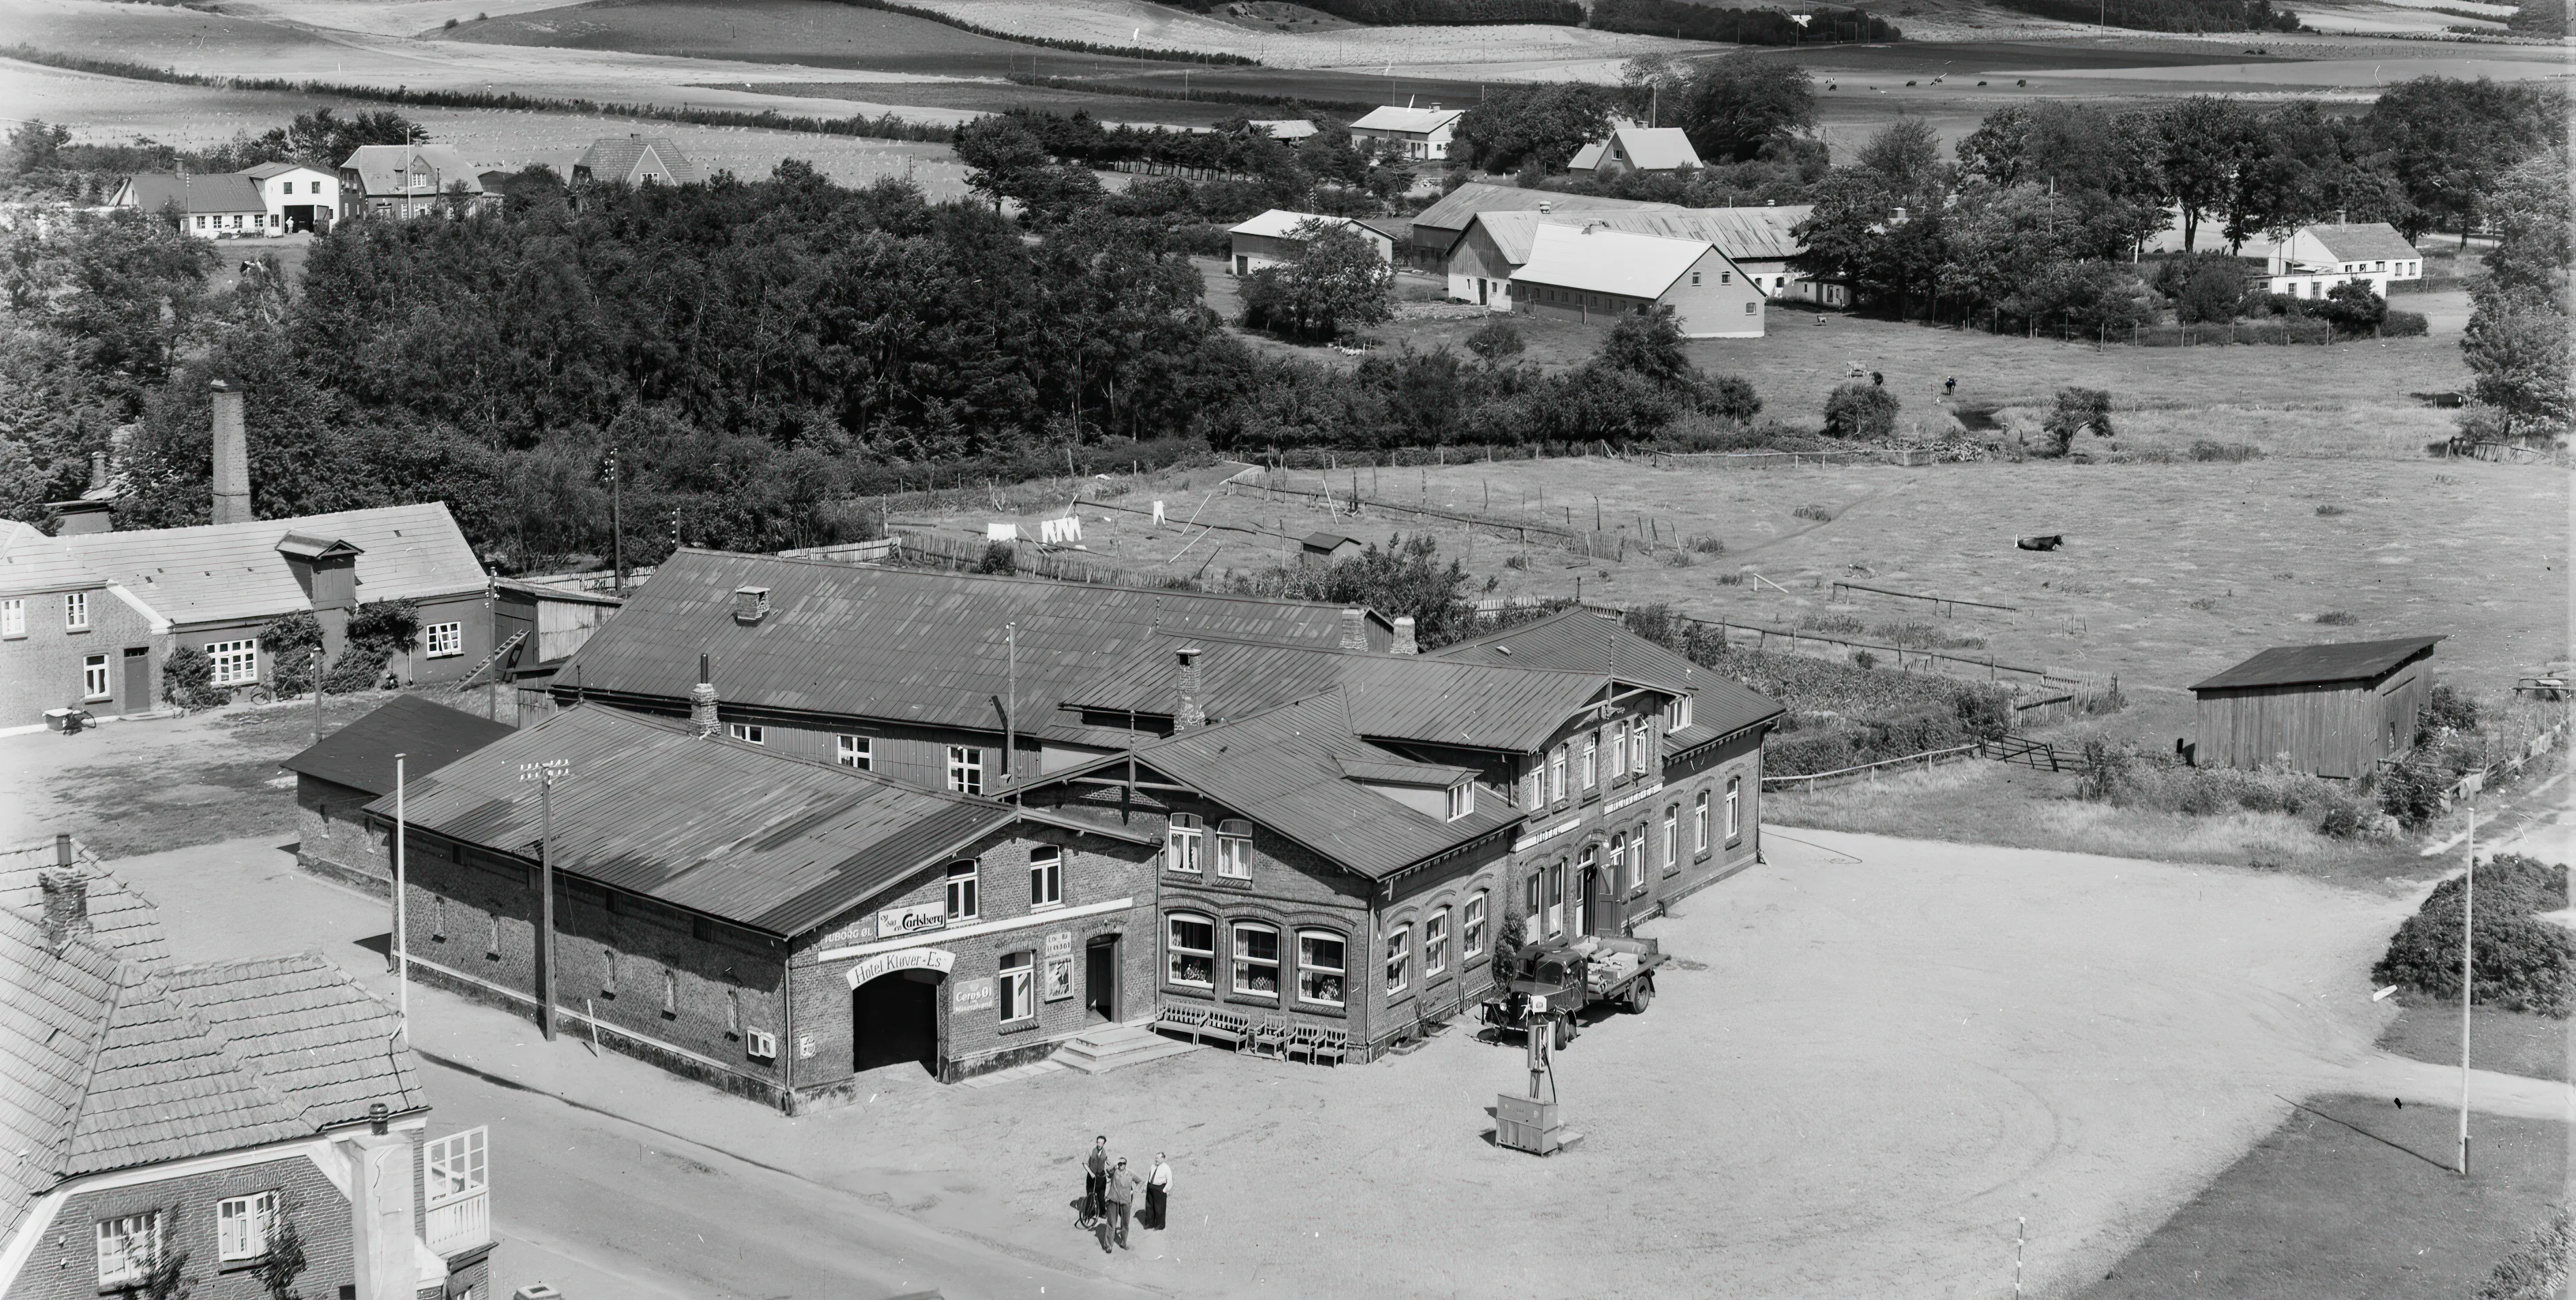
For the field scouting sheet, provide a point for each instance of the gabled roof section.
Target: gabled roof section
(1652, 149)
(906, 645)
(121, 919)
(2362, 241)
(1598, 260)
(416, 169)
(428, 735)
(318, 1040)
(621, 157)
(1421, 121)
(1743, 234)
(1453, 211)
(272, 170)
(716, 826)
(315, 548)
(213, 572)
(1583, 640)
(225, 192)
(51, 1025)
(163, 1086)
(2300, 665)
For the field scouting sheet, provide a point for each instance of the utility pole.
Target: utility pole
(616, 528)
(317, 695)
(1011, 709)
(545, 774)
(402, 945)
(2468, 990)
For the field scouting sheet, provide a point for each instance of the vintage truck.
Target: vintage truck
(1550, 982)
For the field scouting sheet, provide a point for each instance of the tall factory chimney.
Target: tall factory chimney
(232, 458)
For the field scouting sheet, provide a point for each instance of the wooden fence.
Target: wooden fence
(1943, 605)
(1026, 557)
(1869, 771)
(2039, 755)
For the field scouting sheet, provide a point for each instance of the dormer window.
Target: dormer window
(1677, 713)
(1462, 799)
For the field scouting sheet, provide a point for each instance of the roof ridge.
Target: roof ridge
(678, 728)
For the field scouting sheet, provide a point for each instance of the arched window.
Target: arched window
(1672, 834)
(1734, 807)
(1189, 948)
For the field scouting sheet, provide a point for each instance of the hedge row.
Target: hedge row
(1699, 22)
(1452, 13)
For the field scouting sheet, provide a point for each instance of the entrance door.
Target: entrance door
(1100, 980)
(137, 695)
(895, 1019)
(1583, 901)
(1483, 289)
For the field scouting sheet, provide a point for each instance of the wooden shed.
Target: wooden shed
(2334, 710)
(1331, 546)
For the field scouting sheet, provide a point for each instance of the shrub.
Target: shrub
(1731, 397)
(2329, 511)
(359, 668)
(2448, 708)
(2351, 308)
(388, 624)
(2404, 325)
(1861, 411)
(1832, 624)
(2538, 1269)
(2338, 618)
(2520, 963)
(2077, 410)
(2412, 794)
(2205, 449)
(188, 680)
(1983, 712)
(1708, 546)
(1820, 515)
(1864, 659)
(1497, 341)
(999, 557)
(290, 644)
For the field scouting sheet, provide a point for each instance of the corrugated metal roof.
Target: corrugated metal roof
(2291, 665)
(1580, 639)
(716, 826)
(2362, 240)
(1452, 212)
(1390, 117)
(216, 572)
(906, 645)
(1608, 261)
(422, 169)
(428, 734)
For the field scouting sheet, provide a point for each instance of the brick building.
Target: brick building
(191, 1113)
(338, 776)
(768, 923)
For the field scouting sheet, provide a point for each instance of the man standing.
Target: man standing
(1095, 1179)
(1122, 1201)
(1158, 1194)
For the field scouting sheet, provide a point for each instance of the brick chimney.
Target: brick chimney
(750, 604)
(702, 701)
(1354, 629)
(232, 458)
(66, 894)
(1189, 679)
(1404, 642)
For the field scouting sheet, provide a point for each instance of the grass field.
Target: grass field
(2509, 1042)
(2352, 1197)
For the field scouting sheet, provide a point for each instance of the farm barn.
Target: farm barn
(2334, 710)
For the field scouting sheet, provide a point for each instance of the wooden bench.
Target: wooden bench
(1224, 1027)
(1182, 1019)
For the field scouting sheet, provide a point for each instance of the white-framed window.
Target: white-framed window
(1189, 950)
(1182, 842)
(1639, 744)
(1462, 799)
(1399, 958)
(127, 1246)
(1556, 775)
(1555, 887)
(1618, 748)
(1319, 967)
(1011, 989)
(961, 890)
(1734, 807)
(1699, 823)
(13, 618)
(94, 677)
(1046, 875)
(242, 1225)
(1234, 849)
(1618, 854)
(1672, 834)
(76, 610)
(1748, 309)
(1636, 859)
(748, 732)
(1591, 760)
(441, 640)
(853, 751)
(1471, 927)
(1435, 943)
(1726, 277)
(1256, 959)
(236, 662)
(966, 769)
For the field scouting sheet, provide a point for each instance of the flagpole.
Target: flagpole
(402, 944)
(2468, 990)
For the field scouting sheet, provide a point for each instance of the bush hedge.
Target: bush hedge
(2522, 963)
(2122, 775)
(289, 644)
(1702, 22)
(188, 680)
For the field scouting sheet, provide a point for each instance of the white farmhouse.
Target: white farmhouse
(299, 198)
(1409, 132)
(2314, 259)
(1272, 238)
(224, 205)
(1592, 273)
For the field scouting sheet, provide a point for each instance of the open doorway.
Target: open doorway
(1100, 980)
(895, 1019)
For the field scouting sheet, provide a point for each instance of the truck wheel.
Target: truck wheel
(1641, 996)
(1564, 1033)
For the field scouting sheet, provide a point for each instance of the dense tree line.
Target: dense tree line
(1740, 108)
(2518, 339)
(2166, 15)
(1684, 20)
(1452, 13)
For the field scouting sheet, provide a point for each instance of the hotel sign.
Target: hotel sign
(887, 963)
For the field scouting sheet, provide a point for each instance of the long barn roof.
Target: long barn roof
(2299, 665)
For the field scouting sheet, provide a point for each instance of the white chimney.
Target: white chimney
(232, 458)
(1405, 644)
(1190, 712)
(380, 1212)
(1354, 629)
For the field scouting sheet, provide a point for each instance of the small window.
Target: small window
(1640, 740)
(1699, 823)
(1046, 876)
(607, 973)
(852, 751)
(1734, 808)
(966, 769)
(1636, 860)
(1182, 841)
(76, 610)
(1591, 760)
(1011, 988)
(1256, 960)
(1677, 713)
(1319, 967)
(242, 1226)
(1471, 927)
(1556, 775)
(1435, 943)
(1462, 799)
(1190, 951)
(1234, 849)
(1726, 277)
(1672, 834)
(444, 639)
(1694, 279)
(1618, 748)
(670, 994)
(961, 890)
(127, 1247)
(1399, 958)
(13, 618)
(236, 662)
(749, 732)
(1748, 309)
(94, 677)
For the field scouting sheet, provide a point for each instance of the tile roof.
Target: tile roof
(1653, 149)
(2361, 241)
(1283, 769)
(428, 734)
(50, 1026)
(715, 826)
(1581, 639)
(215, 572)
(196, 192)
(904, 645)
(1754, 234)
(1453, 211)
(422, 169)
(1608, 261)
(316, 1038)
(2292, 665)
(620, 157)
(1421, 121)
(121, 919)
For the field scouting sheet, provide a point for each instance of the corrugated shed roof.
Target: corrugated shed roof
(2292, 665)
(1608, 261)
(906, 645)
(1452, 211)
(2363, 240)
(225, 192)
(213, 572)
(121, 919)
(617, 158)
(1653, 149)
(1390, 117)
(716, 826)
(412, 169)
(1580, 639)
(428, 734)
(1283, 770)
